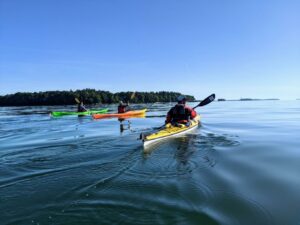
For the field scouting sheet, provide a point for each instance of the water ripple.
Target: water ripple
(233, 208)
(240, 167)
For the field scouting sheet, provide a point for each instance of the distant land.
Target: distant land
(249, 99)
(89, 96)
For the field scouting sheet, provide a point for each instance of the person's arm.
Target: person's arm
(83, 107)
(169, 116)
(192, 112)
(127, 107)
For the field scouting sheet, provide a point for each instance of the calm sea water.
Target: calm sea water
(242, 166)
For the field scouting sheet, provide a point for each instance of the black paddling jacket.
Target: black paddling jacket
(180, 113)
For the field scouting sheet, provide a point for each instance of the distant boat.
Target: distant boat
(221, 99)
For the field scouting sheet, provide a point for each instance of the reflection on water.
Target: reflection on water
(240, 167)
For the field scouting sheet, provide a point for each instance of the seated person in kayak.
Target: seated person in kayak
(181, 113)
(122, 108)
(81, 107)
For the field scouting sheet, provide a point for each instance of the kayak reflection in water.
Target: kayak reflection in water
(180, 113)
(123, 107)
(122, 126)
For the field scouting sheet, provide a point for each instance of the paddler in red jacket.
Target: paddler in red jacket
(181, 113)
(122, 108)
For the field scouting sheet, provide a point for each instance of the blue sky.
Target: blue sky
(233, 48)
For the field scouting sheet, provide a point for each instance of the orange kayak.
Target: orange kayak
(128, 114)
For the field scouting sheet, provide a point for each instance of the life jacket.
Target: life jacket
(180, 114)
(122, 108)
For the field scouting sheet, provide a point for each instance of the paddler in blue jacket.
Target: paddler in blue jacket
(81, 107)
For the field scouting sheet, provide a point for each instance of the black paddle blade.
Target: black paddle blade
(208, 100)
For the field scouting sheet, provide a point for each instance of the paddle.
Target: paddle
(77, 100)
(132, 95)
(206, 101)
(130, 98)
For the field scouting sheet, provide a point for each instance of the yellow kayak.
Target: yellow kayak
(170, 131)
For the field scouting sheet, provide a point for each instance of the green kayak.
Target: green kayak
(57, 114)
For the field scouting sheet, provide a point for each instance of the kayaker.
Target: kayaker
(123, 107)
(81, 107)
(181, 113)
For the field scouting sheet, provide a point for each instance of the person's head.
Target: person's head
(121, 102)
(181, 99)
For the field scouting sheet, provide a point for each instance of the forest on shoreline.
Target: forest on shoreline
(89, 96)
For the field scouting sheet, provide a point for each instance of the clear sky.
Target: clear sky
(234, 48)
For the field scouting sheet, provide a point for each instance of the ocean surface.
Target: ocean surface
(242, 166)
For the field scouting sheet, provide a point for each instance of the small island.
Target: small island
(257, 99)
(89, 96)
(248, 99)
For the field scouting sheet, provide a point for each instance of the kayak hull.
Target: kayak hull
(58, 114)
(135, 113)
(170, 132)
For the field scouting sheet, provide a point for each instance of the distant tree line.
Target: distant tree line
(89, 96)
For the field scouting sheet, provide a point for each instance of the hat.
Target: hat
(181, 98)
